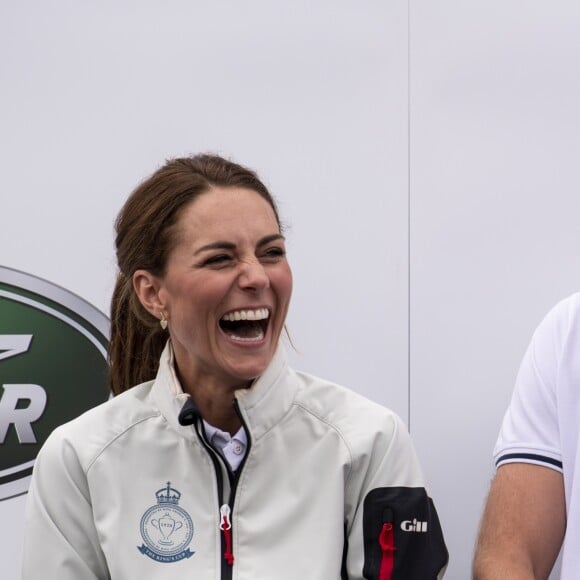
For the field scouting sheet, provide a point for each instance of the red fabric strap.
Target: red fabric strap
(387, 543)
(226, 528)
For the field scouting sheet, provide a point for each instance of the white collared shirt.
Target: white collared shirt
(233, 448)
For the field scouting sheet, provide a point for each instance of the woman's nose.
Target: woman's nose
(253, 276)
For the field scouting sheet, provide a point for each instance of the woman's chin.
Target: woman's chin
(247, 367)
(245, 359)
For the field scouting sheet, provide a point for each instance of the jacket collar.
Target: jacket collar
(270, 397)
(263, 404)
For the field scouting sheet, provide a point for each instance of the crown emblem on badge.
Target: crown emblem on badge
(167, 495)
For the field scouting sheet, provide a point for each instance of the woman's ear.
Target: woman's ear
(147, 287)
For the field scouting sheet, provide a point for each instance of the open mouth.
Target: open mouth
(247, 325)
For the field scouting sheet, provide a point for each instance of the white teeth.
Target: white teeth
(257, 338)
(258, 314)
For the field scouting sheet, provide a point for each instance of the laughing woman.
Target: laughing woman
(222, 462)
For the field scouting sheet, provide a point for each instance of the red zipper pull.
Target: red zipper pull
(387, 543)
(226, 528)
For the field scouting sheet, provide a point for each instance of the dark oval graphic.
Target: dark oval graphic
(53, 367)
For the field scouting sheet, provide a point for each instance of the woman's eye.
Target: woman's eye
(217, 260)
(274, 253)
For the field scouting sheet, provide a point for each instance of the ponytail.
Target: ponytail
(136, 341)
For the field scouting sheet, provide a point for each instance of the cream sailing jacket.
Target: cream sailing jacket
(330, 489)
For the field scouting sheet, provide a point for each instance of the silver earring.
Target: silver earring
(163, 321)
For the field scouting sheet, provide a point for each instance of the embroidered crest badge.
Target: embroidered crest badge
(166, 528)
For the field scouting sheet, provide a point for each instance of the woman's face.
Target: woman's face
(227, 287)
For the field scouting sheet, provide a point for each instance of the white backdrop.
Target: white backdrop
(423, 155)
(495, 143)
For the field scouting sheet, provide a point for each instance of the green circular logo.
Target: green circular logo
(53, 367)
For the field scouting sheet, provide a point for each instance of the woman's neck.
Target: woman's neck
(215, 400)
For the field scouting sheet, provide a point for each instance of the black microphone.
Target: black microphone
(188, 413)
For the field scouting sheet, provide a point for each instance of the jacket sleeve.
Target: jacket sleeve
(392, 528)
(61, 542)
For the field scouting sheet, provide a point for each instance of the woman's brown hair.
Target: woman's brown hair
(145, 235)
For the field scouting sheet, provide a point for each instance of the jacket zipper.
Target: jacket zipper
(225, 508)
(386, 541)
(226, 528)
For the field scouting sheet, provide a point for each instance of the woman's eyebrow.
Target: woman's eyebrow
(222, 245)
(271, 238)
(216, 246)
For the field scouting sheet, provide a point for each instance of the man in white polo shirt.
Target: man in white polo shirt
(533, 508)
